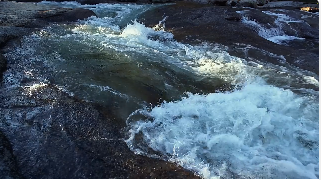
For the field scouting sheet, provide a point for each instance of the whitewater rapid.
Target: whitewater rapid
(266, 126)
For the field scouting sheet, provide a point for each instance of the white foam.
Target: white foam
(281, 39)
(34, 87)
(282, 17)
(158, 45)
(273, 34)
(259, 131)
(311, 80)
(139, 33)
(109, 89)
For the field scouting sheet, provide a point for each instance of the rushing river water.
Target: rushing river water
(197, 106)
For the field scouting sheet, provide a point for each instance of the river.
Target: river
(196, 105)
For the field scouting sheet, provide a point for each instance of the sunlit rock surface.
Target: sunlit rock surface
(310, 9)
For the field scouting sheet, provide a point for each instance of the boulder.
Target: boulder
(218, 2)
(247, 3)
(65, 15)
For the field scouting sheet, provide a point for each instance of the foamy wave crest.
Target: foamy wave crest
(260, 131)
(139, 33)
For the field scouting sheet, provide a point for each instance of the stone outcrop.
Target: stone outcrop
(67, 15)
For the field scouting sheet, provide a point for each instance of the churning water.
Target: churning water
(215, 114)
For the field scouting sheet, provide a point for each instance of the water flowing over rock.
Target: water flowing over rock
(225, 28)
(44, 132)
(18, 19)
(153, 90)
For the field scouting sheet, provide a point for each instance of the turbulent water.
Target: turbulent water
(215, 114)
(274, 34)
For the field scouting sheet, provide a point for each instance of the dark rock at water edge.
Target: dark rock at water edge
(8, 164)
(107, 1)
(233, 16)
(19, 19)
(52, 134)
(66, 16)
(3, 65)
(196, 23)
(55, 136)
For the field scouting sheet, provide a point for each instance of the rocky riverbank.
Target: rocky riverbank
(18, 19)
(45, 132)
(194, 23)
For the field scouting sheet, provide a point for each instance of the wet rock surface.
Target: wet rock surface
(18, 19)
(54, 136)
(3, 65)
(8, 164)
(195, 23)
(45, 132)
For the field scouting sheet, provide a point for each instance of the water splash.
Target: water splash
(259, 131)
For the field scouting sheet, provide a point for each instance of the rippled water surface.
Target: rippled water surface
(218, 115)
